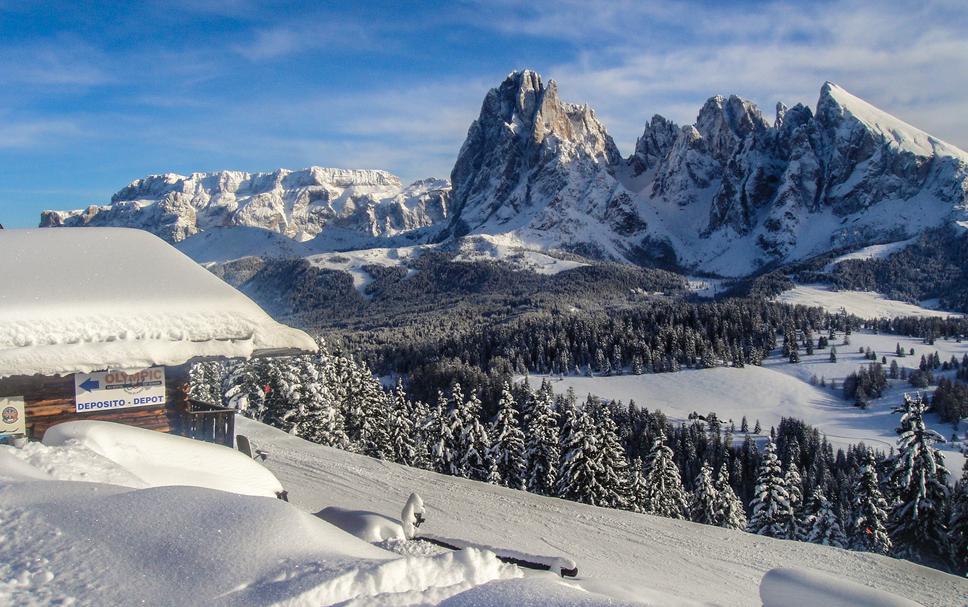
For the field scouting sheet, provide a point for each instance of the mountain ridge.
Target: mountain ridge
(300, 204)
(731, 195)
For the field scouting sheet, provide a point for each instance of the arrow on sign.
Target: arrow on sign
(91, 384)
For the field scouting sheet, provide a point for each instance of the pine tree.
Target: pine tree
(401, 429)
(507, 447)
(822, 525)
(612, 473)
(958, 525)
(474, 442)
(704, 502)
(636, 486)
(730, 508)
(868, 519)
(320, 418)
(918, 521)
(244, 388)
(579, 478)
(442, 445)
(771, 511)
(423, 425)
(664, 494)
(542, 446)
(205, 382)
(795, 488)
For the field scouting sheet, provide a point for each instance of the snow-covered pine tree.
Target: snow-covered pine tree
(704, 502)
(283, 382)
(770, 507)
(795, 489)
(320, 419)
(507, 442)
(958, 525)
(867, 529)
(822, 525)
(636, 485)
(664, 494)
(918, 523)
(613, 475)
(542, 445)
(454, 421)
(244, 388)
(373, 409)
(422, 441)
(401, 428)
(441, 441)
(205, 381)
(474, 443)
(732, 513)
(579, 478)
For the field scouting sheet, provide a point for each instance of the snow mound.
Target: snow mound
(79, 300)
(368, 526)
(157, 459)
(785, 586)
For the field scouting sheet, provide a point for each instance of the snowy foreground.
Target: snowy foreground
(125, 537)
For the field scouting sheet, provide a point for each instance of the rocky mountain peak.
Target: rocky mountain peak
(724, 121)
(524, 137)
(654, 144)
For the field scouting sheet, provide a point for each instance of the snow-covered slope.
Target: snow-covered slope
(728, 195)
(865, 304)
(631, 557)
(779, 389)
(101, 543)
(297, 204)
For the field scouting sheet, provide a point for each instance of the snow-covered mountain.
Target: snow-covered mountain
(730, 194)
(297, 204)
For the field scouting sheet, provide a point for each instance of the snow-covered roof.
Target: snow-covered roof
(84, 299)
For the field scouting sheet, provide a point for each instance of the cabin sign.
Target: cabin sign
(12, 418)
(119, 389)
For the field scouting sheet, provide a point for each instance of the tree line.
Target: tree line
(610, 454)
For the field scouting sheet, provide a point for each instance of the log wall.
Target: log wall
(50, 400)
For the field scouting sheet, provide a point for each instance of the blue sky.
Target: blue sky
(95, 94)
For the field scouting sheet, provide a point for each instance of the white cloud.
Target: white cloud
(633, 59)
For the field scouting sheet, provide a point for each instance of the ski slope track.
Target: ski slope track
(633, 558)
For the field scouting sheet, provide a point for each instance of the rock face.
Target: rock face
(730, 194)
(297, 204)
(531, 160)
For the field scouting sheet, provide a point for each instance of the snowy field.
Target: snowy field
(353, 262)
(865, 304)
(69, 542)
(875, 251)
(508, 250)
(780, 389)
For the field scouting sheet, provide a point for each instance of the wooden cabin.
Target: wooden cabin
(105, 323)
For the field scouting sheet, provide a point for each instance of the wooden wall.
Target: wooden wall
(50, 400)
